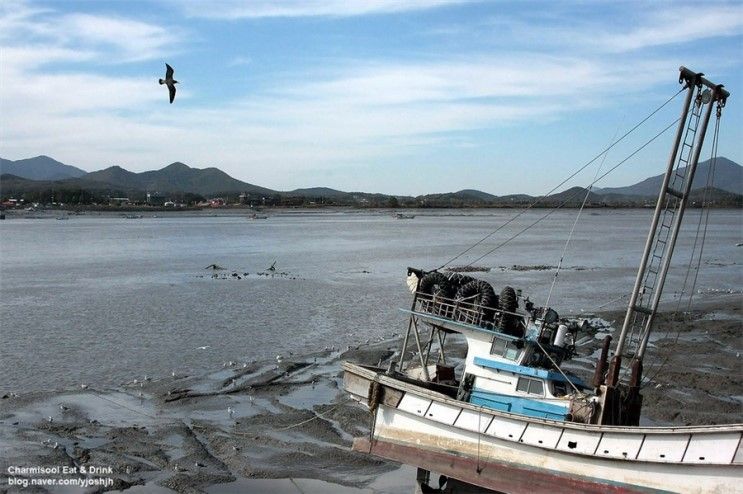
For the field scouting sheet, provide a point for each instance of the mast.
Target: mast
(659, 246)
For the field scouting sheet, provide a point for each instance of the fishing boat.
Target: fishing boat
(513, 420)
(404, 216)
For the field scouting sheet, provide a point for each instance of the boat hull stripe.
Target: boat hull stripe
(516, 404)
(527, 371)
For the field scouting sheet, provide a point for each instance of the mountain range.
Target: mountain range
(44, 173)
(40, 168)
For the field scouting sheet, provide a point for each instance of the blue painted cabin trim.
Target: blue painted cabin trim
(527, 371)
(518, 404)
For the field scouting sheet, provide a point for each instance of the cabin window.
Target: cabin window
(531, 386)
(536, 387)
(505, 348)
(523, 385)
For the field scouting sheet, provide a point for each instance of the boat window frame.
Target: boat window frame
(530, 385)
(505, 348)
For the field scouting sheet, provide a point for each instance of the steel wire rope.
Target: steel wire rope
(575, 223)
(562, 257)
(707, 207)
(539, 199)
(574, 194)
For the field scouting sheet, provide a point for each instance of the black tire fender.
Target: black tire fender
(436, 284)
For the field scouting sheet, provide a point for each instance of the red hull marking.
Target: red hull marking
(503, 477)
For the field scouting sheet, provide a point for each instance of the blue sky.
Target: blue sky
(402, 97)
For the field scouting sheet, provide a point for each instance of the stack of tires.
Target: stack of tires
(477, 294)
(437, 288)
(508, 302)
(476, 300)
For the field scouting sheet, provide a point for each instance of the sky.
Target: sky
(401, 97)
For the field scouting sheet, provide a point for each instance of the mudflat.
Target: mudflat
(284, 424)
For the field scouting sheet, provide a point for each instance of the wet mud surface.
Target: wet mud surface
(286, 417)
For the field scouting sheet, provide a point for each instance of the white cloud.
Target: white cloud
(131, 40)
(678, 25)
(624, 28)
(505, 76)
(358, 114)
(237, 61)
(44, 33)
(235, 9)
(338, 115)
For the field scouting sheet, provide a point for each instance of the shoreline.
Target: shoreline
(235, 210)
(256, 423)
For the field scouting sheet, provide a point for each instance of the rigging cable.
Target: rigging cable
(574, 194)
(539, 199)
(575, 223)
(707, 207)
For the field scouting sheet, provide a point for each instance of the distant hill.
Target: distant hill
(319, 192)
(728, 177)
(176, 177)
(114, 176)
(39, 168)
(456, 199)
(574, 196)
(181, 181)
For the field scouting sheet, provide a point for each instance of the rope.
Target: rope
(705, 205)
(575, 193)
(479, 433)
(317, 416)
(127, 407)
(539, 199)
(297, 486)
(558, 368)
(610, 302)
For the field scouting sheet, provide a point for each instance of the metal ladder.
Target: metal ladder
(666, 222)
(671, 199)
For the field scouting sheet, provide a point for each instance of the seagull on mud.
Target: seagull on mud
(169, 81)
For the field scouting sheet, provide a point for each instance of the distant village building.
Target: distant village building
(155, 199)
(216, 202)
(244, 198)
(118, 201)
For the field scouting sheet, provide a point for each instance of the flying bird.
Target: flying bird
(169, 81)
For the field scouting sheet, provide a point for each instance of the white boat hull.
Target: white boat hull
(531, 455)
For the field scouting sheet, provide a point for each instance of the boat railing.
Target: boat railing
(465, 311)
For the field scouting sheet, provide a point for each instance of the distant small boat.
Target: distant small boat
(403, 216)
(133, 216)
(62, 218)
(257, 217)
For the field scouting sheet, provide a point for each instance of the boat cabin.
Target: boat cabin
(513, 349)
